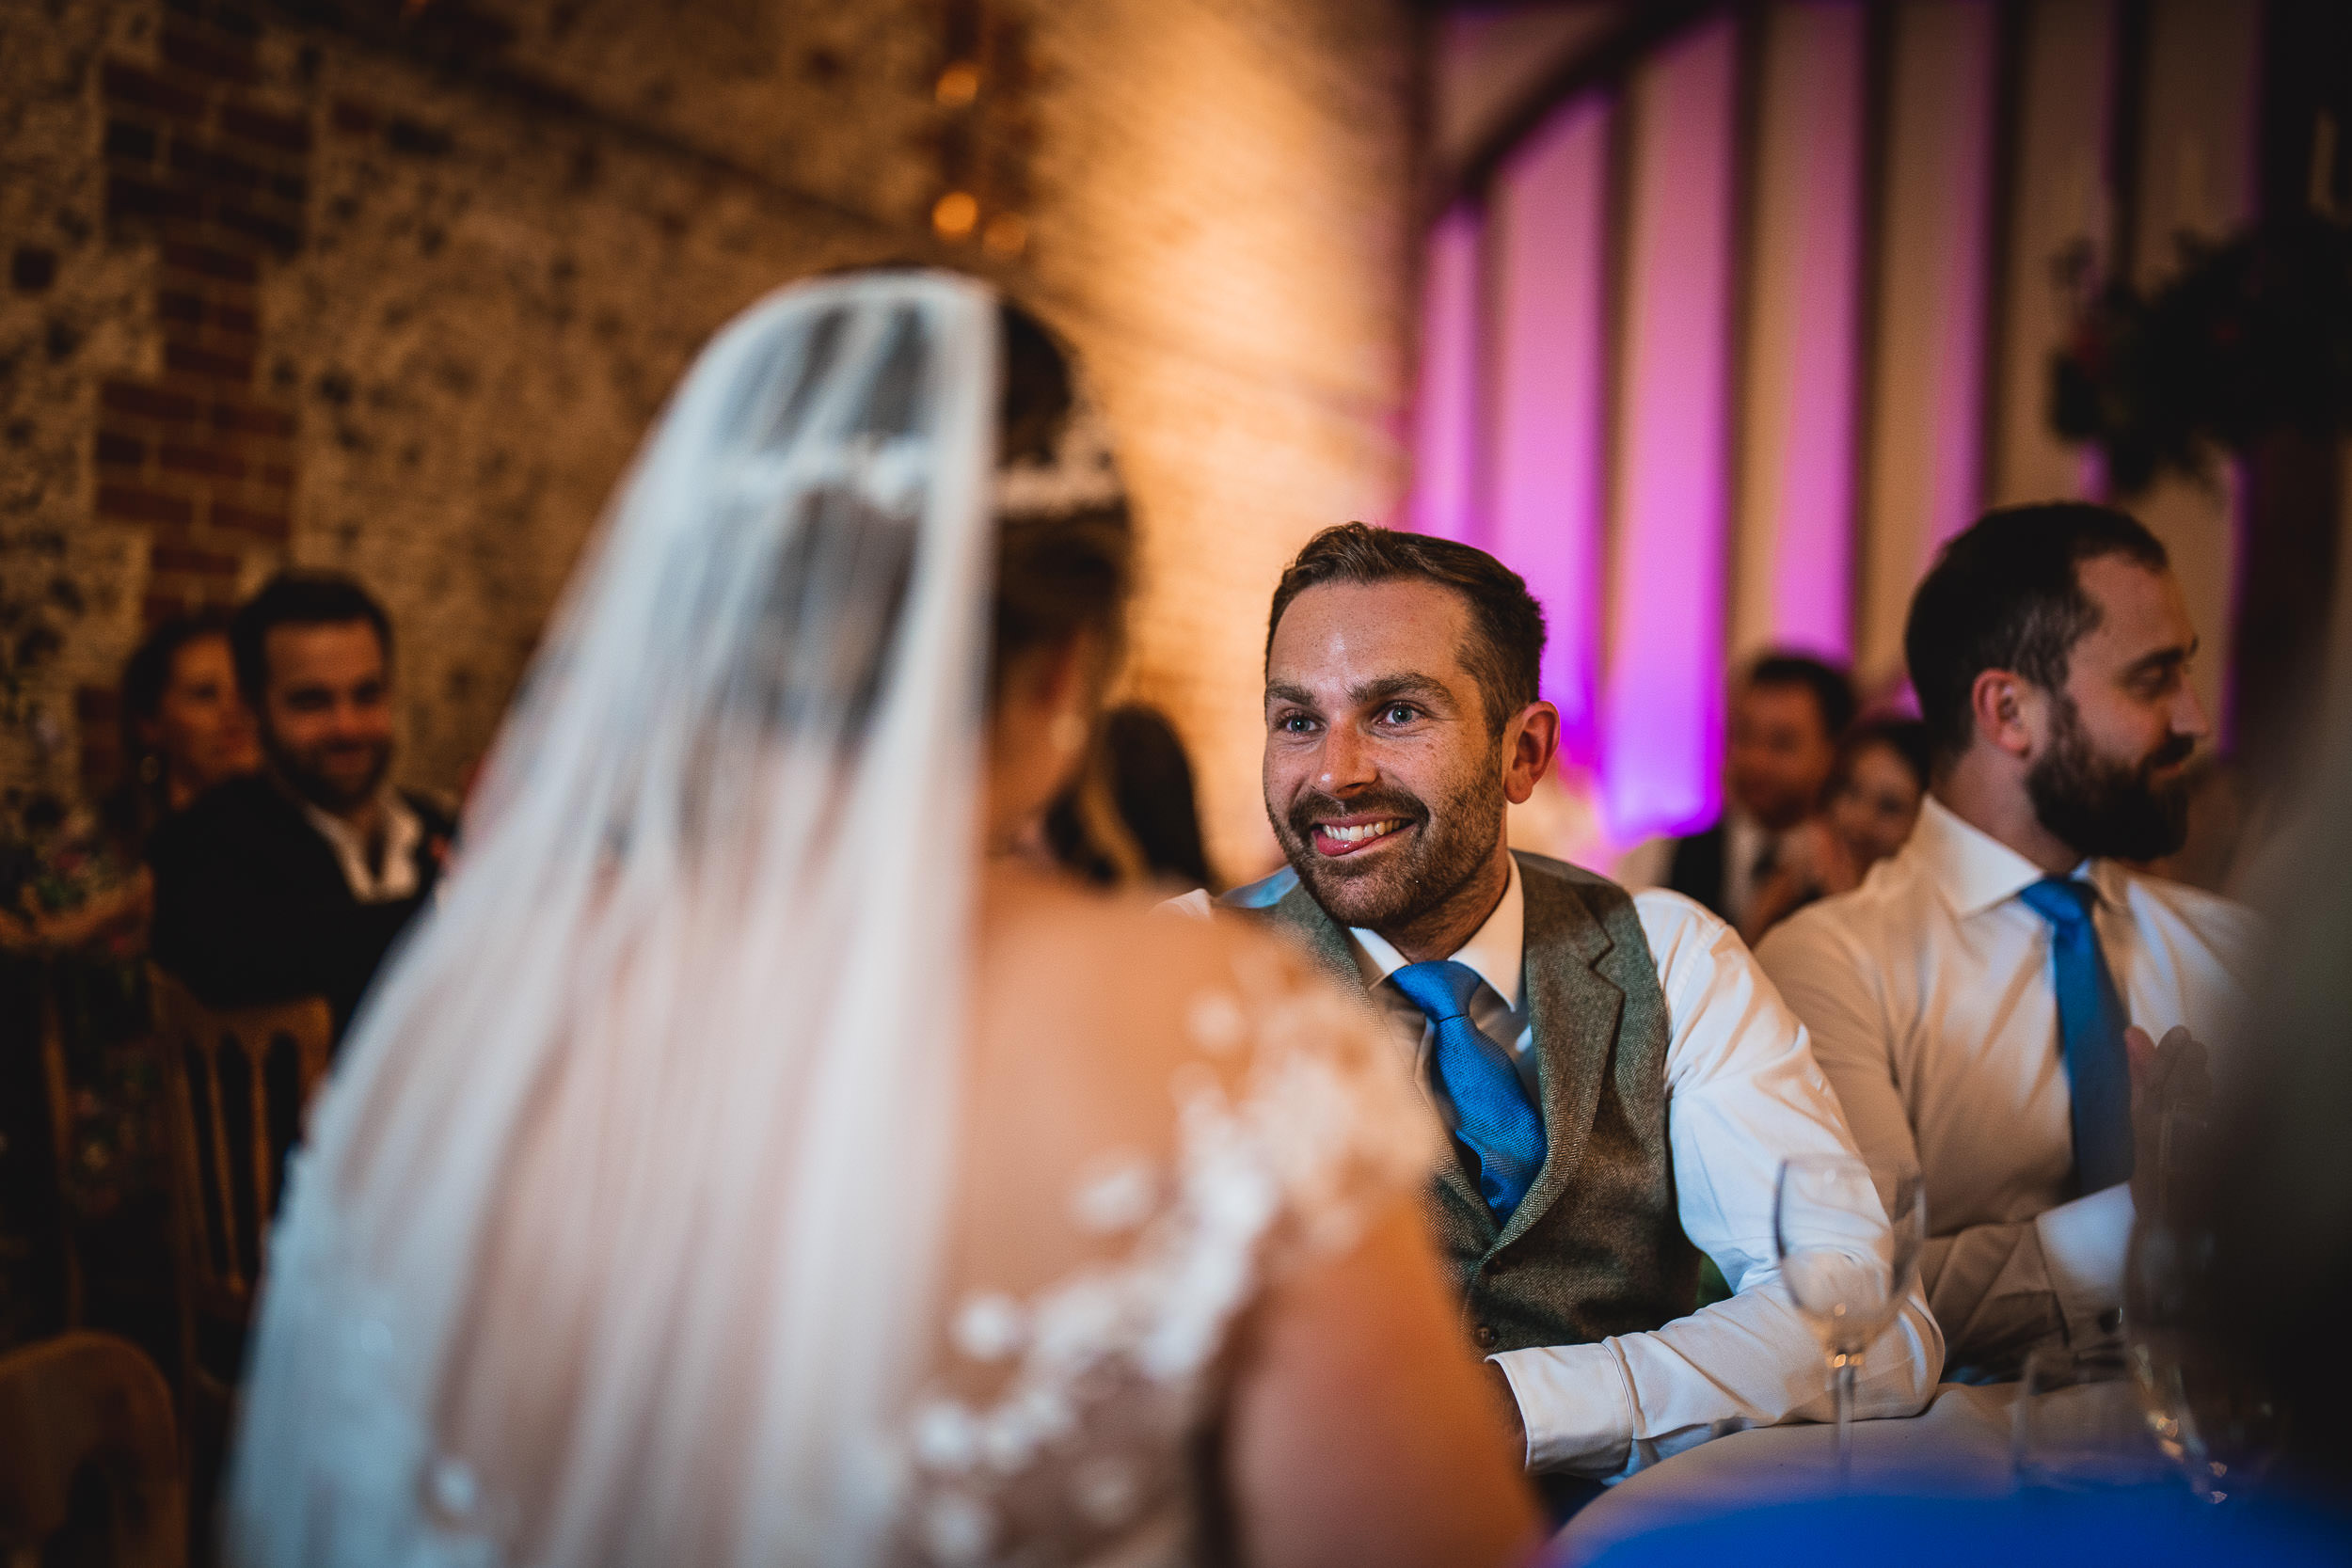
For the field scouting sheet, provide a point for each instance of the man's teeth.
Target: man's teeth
(1357, 835)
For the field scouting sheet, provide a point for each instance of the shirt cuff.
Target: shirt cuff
(2083, 1245)
(1574, 1403)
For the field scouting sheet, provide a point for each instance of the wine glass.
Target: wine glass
(1848, 1262)
(2210, 1414)
(2077, 1424)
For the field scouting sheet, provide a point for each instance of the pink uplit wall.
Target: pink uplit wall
(1927, 395)
(1662, 711)
(1547, 480)
(1448, 403)
(1715, 357)
(1806, 314)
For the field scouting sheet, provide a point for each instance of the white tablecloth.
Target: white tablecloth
(1959, 1447)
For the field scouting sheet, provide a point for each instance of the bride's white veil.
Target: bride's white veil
(615, 1234)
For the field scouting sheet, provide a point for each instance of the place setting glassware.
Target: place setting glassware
(2208, 1412)
(1848, 1262)
(2078, 1425)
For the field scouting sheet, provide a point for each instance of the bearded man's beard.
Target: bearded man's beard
(2098, 806)
(1445, 849)
(306, 771)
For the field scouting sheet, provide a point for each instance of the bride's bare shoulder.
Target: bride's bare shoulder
(1037, 918)
(1130, 958)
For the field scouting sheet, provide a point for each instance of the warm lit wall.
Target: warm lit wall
(314, 282)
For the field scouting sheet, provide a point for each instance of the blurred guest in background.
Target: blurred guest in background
(186, 726)
(1875, 787)
(75, 899)
(1970, 1002)
(1787, 714)
(296, 882)
(1131, 816)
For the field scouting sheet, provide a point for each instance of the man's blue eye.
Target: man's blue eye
(1398, 713)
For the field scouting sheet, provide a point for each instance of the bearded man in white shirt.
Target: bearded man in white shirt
(1621, 1080)
(1984, 1001)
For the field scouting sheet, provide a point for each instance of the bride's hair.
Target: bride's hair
(1065, 550)
(1064, 546)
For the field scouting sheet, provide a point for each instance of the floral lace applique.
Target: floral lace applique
(1081, 1455)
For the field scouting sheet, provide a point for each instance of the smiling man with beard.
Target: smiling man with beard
(296, 882)
(1984, 1001)
(1621, 1081)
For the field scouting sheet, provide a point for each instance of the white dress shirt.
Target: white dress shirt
(391, 871)
(1744, 1095)
(1928, 993)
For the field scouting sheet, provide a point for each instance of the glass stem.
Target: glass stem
(1842, 1376)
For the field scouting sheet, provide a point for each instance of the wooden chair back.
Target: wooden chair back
(238, 1080)
(58, 1087)
(89, 1461)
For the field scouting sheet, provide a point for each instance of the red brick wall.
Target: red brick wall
(219, 178)
(395, 287)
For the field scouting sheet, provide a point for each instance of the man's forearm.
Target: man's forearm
(1608, 1409)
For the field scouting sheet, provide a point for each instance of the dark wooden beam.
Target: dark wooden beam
(1646, 26)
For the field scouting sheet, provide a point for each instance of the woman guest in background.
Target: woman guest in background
(1868, 812)
(75, 882)
(184, 726)
(758, 1158)
(1131, 816)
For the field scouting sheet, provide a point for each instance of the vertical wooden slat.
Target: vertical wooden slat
(258, 1044)
(61, 1097)
(1792, 579)
(2010, 37)
(1928, 337)
(224, 1160)
(2196, 172)
(2058, 204)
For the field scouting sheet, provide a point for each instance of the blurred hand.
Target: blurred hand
(1812, 863)
(1823, 857)
(2172, 1093)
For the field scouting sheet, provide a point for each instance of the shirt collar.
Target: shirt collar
(1494, 950)
(1974, 870)
(402, 831)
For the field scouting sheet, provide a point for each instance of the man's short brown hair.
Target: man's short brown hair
(1506, 646)
(2008, 595)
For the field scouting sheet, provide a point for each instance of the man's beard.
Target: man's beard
(2097, 806)
(1447, 849)
(302, 773)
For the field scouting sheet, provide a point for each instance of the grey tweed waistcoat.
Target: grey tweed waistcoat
(1597, 1246)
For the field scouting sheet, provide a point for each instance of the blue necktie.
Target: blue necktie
(1492, 1114)
(2091, 1021)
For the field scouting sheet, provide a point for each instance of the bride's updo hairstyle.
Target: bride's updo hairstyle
(1063, 560)
(1065, 546)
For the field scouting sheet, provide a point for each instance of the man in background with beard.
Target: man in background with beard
(296, 882)
(1984, 1003)
(1621, 1081)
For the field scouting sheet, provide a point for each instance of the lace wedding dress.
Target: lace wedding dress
(1076, 1421)
(696, 1188)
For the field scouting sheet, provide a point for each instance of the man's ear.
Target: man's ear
(1529, 742)
(2005, 710)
